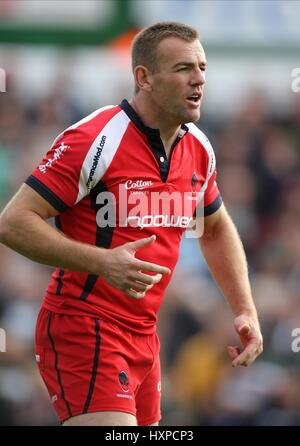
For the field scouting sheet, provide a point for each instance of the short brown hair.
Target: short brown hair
(145, 43)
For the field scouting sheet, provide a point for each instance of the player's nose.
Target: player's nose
(198, 77)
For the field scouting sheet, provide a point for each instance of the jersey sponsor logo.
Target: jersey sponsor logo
(155, 209)
(124, 395)
(56, 156)
(96, 161)
(138, 184)
(168, 221)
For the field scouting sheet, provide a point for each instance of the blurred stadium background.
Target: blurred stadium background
(62, 60)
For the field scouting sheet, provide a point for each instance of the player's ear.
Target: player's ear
(143, 78)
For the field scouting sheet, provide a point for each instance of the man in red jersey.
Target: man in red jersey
(107, 181)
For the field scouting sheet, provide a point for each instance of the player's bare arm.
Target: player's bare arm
(23, 227)
(225, 256)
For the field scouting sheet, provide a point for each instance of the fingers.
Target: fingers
(233, 352)
(152, 267)
(130, 274)
(140, 285)
(134, 294)
(243, 360)
(251, 339)
(145, 278)
(247, 356)
(142, 265)
(137, 244)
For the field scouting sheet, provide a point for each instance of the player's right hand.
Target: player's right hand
(124, 271)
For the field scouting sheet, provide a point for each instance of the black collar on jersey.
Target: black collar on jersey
(154, 140)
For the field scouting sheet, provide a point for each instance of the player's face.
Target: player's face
(177, 87)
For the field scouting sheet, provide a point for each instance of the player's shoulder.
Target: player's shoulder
(199, 135)
(109, 119)
(96, 120)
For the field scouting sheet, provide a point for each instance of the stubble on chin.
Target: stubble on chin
(192, 117)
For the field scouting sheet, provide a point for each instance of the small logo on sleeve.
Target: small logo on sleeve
(57, 155)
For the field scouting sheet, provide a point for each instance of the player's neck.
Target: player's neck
(151, 118)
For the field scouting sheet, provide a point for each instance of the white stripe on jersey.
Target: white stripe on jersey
(195, 131)
(101, 153)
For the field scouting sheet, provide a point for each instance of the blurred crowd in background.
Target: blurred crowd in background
(258, 153)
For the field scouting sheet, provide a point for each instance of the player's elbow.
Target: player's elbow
(7, 222)
(3, 227)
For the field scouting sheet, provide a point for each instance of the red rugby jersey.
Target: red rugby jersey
(106, 169)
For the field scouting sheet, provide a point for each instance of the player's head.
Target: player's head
(168, 63)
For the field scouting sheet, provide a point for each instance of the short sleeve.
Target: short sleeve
(209, 199)
(62, 177)
(212, 196)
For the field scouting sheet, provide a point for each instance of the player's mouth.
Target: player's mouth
(194, 99)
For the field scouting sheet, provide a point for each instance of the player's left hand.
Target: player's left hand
(251, 339)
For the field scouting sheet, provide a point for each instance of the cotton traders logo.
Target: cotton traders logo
(137, 185)
(124, 381)
(96, 160)
(57, 154)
